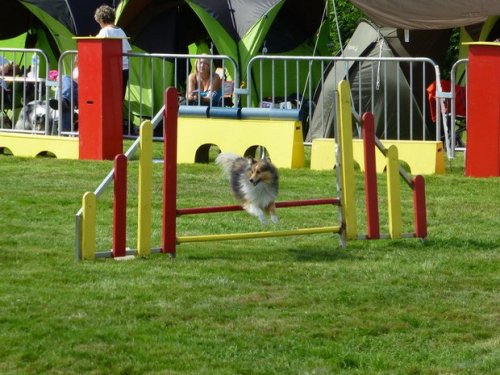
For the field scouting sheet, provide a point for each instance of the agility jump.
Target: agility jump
(347, 228)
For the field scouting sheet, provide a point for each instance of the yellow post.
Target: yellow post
(145, 189)
(89, 203)
(348, 204)
(393, 193)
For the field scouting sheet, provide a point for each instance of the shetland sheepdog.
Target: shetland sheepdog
(254, 184)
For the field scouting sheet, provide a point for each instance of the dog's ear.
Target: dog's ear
(251, 160)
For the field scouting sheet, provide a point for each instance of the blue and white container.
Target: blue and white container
(35, 66)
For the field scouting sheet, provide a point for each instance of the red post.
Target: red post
(100, 101)
(483, 110)
(170, 172)
(371, 193)
(120, 206)
(419, 207)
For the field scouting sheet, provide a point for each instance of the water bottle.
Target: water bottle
(35, 64)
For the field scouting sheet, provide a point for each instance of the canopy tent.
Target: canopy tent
(427, 14)
(478, 20)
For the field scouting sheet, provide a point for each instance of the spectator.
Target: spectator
(105, 17)
(204, 85)
(7, 68)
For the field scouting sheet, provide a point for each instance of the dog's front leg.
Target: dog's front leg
(262, 218)
(256, 211)
(271, 209)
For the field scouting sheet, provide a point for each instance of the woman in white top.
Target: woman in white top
(105, 17)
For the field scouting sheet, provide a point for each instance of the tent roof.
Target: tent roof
(428, 14)
(239, 16)
(15, 21)
(75, 15)
(187, 21)
(160, 27)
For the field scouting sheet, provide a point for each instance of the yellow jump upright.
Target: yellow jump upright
(393, 193)
(89, 203)
(145, 189)
(348, 201)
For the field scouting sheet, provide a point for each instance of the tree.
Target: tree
(347, 20)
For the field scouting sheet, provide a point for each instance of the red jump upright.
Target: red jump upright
(170, 172)
(371, 191)
(100, 100)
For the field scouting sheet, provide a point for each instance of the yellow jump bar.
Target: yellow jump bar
(242, 236)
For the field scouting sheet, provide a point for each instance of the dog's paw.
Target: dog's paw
(275, 219)
(263, 220)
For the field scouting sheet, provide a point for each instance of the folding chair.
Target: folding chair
(227, 93)
(453, 133)
(227, 89)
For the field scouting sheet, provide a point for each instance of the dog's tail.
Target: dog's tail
(225, 161)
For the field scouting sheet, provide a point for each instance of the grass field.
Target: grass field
(297, 305)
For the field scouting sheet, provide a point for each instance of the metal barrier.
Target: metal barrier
(150, 74)
(67, 67)
(23, 92)
(394, 89)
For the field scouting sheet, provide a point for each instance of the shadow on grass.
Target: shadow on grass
(298, 255)
(468, 244)
(321, 255)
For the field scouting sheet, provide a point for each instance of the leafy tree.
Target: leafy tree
(347, 20)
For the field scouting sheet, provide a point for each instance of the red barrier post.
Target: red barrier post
(483, 110)
(170, 171)
(100, 100)
(419, 207)
(371, 193)
(120, 206)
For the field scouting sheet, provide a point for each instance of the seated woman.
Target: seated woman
(69, 95)
(7, 68)
(204, 85)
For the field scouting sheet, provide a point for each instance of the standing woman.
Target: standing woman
(105, 17)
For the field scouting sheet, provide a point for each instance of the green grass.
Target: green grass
(296, 305)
